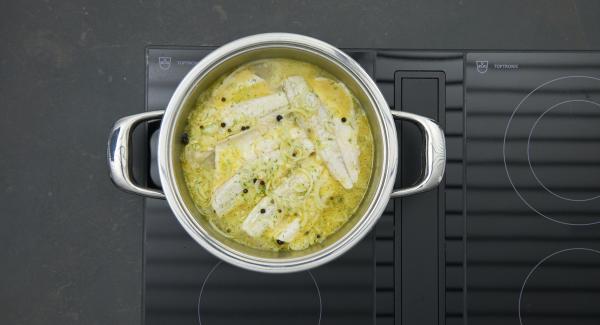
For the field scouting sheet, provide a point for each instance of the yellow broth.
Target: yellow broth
(328, 207)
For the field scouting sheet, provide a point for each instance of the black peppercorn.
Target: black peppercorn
(254, 180)
(263, 210)
(202, 126)
(280, 242)
(279, 118)
(262, 183)
(229, 130)
(223, 124)
(245, 190)
(185, 138)
(279, 210)
(318, 235)
(343, 120)
(223, 99)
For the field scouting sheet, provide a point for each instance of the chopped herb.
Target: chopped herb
(185, 138)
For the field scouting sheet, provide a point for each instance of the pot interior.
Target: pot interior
(226, 64)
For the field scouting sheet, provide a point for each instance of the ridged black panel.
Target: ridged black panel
(506, 238)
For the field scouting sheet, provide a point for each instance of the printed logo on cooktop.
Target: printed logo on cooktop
(482, 66)
(164, 62)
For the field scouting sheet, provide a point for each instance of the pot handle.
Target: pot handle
(435, 154)
(119, 153)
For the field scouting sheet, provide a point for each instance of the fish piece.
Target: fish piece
(290, 231)
(346, 136)
(260, 218)
(242, 149)
(228, 195)
(237, 85)
(322, 124)
(225, 196)
(292, 190)
(253, 109)
(256, 152)
(340, 103)
(241, 144)
(241, 141)
(197, 158)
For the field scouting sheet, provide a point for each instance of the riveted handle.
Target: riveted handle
(119, 153)
(435, 154)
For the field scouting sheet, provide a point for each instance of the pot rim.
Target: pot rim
(389, 159)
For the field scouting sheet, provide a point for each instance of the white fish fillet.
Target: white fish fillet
(324, 126)
(234, 79)
(347, 139)
(241, 141)
(257, 153)
(346, 134)
(255, 108)
(264, 214)
(199, 159)
(290, 231)
(225, 196)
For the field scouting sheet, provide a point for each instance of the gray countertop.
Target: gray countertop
(71, 243)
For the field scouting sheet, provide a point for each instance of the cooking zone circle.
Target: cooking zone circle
(542, 146)
(246, 297)
(562, 288)
(569, 105)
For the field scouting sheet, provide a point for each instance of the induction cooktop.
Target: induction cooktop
(512, 235)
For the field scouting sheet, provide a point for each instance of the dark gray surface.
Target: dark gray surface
(71, 243)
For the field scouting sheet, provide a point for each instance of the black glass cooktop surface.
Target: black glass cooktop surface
(511, 236)
(533, 188)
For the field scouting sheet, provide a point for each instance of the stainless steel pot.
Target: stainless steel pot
(224, 60)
